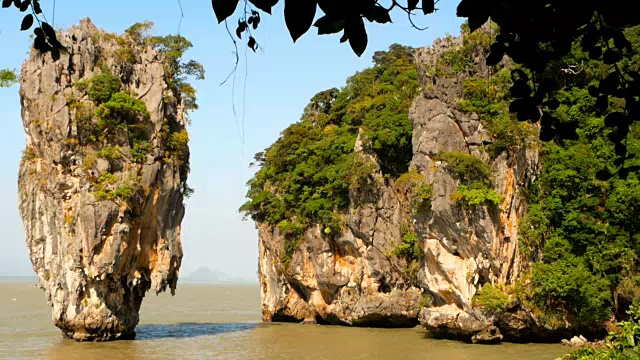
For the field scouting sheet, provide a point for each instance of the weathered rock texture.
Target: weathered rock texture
(97, 259)
(355, 279)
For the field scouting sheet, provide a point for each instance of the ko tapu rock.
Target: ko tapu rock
(103, 177)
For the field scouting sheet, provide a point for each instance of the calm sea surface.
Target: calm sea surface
(223, 322)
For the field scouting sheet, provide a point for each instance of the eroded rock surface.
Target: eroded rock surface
(96, 256)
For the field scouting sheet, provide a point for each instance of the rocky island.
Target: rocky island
(104, 174)
(412, 196)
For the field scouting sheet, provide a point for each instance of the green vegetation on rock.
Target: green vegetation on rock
(586, 231)
(621, 344)
(491, 298)
(305, 176)
(475, 178)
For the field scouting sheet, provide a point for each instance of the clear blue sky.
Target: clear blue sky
(281, 80)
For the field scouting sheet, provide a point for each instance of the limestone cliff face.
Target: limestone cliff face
(355, 279)
(96, 256)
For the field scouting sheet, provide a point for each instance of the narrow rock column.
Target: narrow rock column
(101, 192)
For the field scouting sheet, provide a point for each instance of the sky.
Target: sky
(280, 79)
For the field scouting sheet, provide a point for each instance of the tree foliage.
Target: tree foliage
(305, 176)
(585, 229)
(621, 344)
(7, 78)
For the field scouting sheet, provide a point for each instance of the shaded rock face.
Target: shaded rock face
(96, 259)
(355, 278)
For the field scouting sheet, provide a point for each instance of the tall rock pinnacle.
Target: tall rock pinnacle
(102, 179)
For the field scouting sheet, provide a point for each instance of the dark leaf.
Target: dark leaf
(548, 121)
(412, 4)
(55, 54)
(619, 161)
(528, 111)
(547, 86)
(27, 22)
(249, 21)
(328, 25)
(48, 30)
(36, 7)
(298, 15)
(611, 57)
(496, 53)
(357, 34)
(623, 173)
(621, 149)
(552, 104)
(593, 91)
(377, 13)
(256, 21)
(617, 135)
(589, 40)
(345, 36)
(242, 26)
(621, 42)
(634, 75)
(567, 131)
(609, 84)
(476, 21)
(24, 6)
(547, 134)
(224, 8)
(264, 5)
(428, 6)
(252, 44)
(520, 89)
(6, 3)
(57, 45)
(603, 175)
(17, 3)
(614, 119)
(517, 105)
(40, 44)
(595, 53)
(602, 103)
(518, 74)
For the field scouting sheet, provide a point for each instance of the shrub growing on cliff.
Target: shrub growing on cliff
(475, 176)
(409, 248)
(491, 298)
(422, 197)
(489, 99)
(101, 86)
(420, 193)
(110, 153)
(122, 109)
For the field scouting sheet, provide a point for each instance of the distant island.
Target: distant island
(204, 275)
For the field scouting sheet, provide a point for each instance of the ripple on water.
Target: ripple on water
(223, 322)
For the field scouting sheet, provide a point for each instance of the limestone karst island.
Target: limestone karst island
(431, 180)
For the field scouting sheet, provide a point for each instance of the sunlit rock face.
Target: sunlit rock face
(97, 255)
(355, 279)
